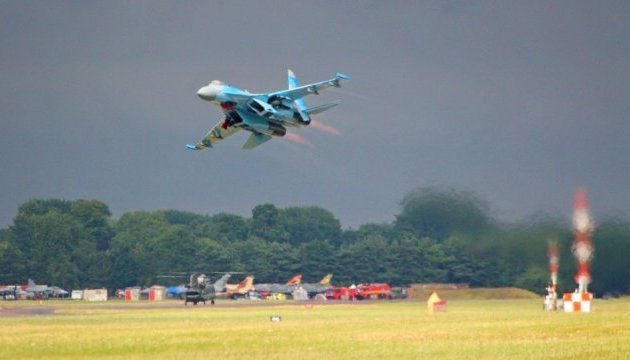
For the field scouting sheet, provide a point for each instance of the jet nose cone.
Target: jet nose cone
(206, 93)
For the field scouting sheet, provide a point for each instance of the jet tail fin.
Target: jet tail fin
(299, 103)
(296, 280)
(219, 285)
(246, 285)
(326, 279)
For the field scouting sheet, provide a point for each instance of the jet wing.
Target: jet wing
(314, 88)
(216, 134)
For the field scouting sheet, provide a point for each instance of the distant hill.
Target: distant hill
(418, 293)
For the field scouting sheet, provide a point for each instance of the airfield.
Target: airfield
(404, 329)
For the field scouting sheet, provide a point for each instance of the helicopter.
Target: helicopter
(199, 288)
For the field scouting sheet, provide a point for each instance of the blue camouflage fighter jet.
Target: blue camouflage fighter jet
(264, 115)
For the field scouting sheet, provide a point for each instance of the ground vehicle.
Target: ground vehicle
(341, 293)
(374, 291)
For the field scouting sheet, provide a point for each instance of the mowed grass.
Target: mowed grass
(470, 329)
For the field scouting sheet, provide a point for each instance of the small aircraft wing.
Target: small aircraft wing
(216, 134)
(314, 88)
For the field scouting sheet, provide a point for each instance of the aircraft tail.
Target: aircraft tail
(326, 280)
(299, 103)
(245, 286)
(219, 285)
(31, 283)
(296, 280)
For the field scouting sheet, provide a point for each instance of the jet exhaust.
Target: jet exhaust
(325, 128)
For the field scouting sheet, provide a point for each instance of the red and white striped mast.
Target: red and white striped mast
(551, 299)
(554, 262)
(582, 248)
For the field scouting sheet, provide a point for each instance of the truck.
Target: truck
(341, 293)
(374, 291)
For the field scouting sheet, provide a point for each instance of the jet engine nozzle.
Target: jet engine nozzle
(277, 130)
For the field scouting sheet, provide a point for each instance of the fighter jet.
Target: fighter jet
(287, 288)
(265, 115)
(38, 291)
(318, 288)
(235, 291)
(293, 284)
(11, 292)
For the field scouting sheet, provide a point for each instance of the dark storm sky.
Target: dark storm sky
(521, 102)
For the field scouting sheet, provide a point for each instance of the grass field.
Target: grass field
(470, 329)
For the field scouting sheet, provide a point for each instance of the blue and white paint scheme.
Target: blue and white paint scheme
(265, 115)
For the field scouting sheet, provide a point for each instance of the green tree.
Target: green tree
(282, 261)
(56, 237)
(177, 250)
(125, 269)
(318, 258)
(59, 241)
(250, 256)
(610, 270)
(139, 233)
(415, 260)
(366, 260)
(215, 256)
(94, 216)
(24, 223)
(266, 224)
(12, 263)
(186, 218)
(437, 213)
(305, 224)
(534, 279)
(226, 228)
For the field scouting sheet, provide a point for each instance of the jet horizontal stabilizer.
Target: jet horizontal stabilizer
(321, 108)
(256, 139)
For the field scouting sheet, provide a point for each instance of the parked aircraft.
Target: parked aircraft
(176, 291)
(34, 288)
(279, 288)
(265, 115)
(293, 284)
(41, 291)
(11, 292)
(201, 290)
(318, 288)
(239, 290)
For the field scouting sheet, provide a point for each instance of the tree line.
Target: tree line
(440, 236)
